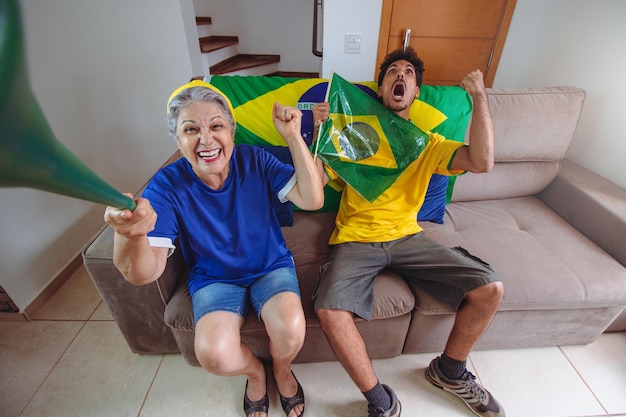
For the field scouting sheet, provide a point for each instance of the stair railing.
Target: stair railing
(317, 6)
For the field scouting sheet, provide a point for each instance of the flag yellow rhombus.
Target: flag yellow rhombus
(360, 139)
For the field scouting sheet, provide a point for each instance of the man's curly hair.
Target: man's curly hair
(407, 54)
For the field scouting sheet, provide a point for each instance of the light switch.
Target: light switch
(353, 43)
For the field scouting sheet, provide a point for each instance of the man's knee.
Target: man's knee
(331, 318)
(490, 294)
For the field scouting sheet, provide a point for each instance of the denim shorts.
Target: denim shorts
(222, 296)
(346, 282)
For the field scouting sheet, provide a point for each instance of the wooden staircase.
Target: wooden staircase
(220, 55)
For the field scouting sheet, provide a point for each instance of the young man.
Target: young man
(385, 234)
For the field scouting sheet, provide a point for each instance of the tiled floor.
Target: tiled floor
(72, 361)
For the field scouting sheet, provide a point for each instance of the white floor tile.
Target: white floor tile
(602, 365)
(181, 390)
(329, 391)
(98, 376)
(28, 352)
(102, 313)
(535, 383)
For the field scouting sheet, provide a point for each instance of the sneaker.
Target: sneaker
(477, 398)
(394, 410)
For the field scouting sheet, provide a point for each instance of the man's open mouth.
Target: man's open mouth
(398, 90)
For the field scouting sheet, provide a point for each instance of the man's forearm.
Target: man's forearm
(481, 135)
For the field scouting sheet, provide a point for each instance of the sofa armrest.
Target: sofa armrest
(138, 311)
(592, 204)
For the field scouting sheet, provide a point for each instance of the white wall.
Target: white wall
(102, 73)
(343, 17)
(580, 43)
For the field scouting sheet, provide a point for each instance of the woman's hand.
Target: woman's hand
(135, 223)
(287, 121)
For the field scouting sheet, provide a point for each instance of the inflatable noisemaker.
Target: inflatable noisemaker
(30, 155)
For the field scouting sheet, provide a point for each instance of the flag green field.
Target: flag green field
(365, 143)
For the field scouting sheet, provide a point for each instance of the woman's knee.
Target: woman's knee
(214, 354)
(287, 331)
(217, 339)
(284, 319)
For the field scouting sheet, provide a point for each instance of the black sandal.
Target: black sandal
(289, 403)
(261, 405)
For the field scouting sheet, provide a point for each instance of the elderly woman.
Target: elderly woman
(215, 202)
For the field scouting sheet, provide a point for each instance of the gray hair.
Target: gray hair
(195, 94)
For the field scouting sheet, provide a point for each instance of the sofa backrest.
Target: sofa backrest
(533, 130)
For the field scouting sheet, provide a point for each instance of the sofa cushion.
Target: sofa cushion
(533, 129)
(534, 124)
(545, 263)
(505, 180)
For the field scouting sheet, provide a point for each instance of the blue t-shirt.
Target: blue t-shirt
(227, 235)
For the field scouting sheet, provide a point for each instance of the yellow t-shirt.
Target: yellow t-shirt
(393, 214)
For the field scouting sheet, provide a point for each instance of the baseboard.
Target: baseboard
(5, 316)
(53, 287)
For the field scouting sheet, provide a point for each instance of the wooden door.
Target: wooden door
(453, 37)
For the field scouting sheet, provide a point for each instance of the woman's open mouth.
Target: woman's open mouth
(209, 156)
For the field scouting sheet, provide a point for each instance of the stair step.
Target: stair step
(242, 61)
(212, 43)
(284, 74)
(203, 20)
(294, 74)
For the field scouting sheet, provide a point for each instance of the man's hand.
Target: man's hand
(320, 113)
(473, 83)
(135, 223)
(479, 155)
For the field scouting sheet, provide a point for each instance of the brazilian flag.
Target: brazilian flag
(253, 97)
(366, 144)
(441, 109)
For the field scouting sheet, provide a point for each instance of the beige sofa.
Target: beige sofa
(552, 230)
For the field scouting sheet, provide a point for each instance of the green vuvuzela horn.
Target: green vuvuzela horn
(30, 154)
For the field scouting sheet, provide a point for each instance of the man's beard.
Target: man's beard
(397, 107)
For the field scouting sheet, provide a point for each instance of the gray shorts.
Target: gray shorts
(346, 282)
